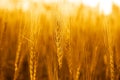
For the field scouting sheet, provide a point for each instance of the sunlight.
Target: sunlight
(3, 4)
(91, 3)
(117, 2)
(76, 2)
(25, 5)
(105, 6)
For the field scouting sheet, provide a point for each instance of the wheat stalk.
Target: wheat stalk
(33, 63)
(109, 40)
(58, 41)
(77, 73)
(33, 54)
(35, 66)
(67, 40)
(94, 59)
(17, 60)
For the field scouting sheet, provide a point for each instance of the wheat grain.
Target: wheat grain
(17, 60)
(58, 36)
(67, 43)
(110, 50)
(77, 73)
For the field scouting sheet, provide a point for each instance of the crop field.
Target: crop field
(51, 41)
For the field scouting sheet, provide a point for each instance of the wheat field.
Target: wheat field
(55, 43)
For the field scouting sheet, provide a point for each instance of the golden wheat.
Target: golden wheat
(77, 73)
(58, 36)
(110, 50)
(67, 43)
(94, 60)
(31, 54)
(78, 52)
(17, 60)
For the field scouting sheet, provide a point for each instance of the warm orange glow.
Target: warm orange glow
(59, 40)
